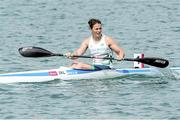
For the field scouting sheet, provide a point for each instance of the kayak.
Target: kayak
(65, 73)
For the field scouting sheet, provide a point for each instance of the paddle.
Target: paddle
(40, 52)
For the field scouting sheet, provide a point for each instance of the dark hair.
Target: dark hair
(93, 21)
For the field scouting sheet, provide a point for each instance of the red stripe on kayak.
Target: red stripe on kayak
(53, 73)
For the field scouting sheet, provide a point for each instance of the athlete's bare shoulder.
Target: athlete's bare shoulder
(85, 41)
(109, 40)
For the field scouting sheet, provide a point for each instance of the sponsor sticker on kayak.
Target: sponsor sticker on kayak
(53, 73)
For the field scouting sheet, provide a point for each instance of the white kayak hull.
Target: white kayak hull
(64, 73)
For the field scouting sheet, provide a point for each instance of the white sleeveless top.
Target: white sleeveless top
(99, 49)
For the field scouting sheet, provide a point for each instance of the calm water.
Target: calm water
(151, 27)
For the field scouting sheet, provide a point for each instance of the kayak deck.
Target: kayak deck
(64, 73)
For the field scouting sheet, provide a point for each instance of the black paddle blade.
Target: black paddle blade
(34, 52)
(158, 62)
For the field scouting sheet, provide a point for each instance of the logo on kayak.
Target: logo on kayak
(53, 73)
(61, 72)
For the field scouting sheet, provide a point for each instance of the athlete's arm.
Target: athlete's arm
(114, 46)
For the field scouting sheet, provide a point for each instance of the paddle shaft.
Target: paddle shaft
(158, 62)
